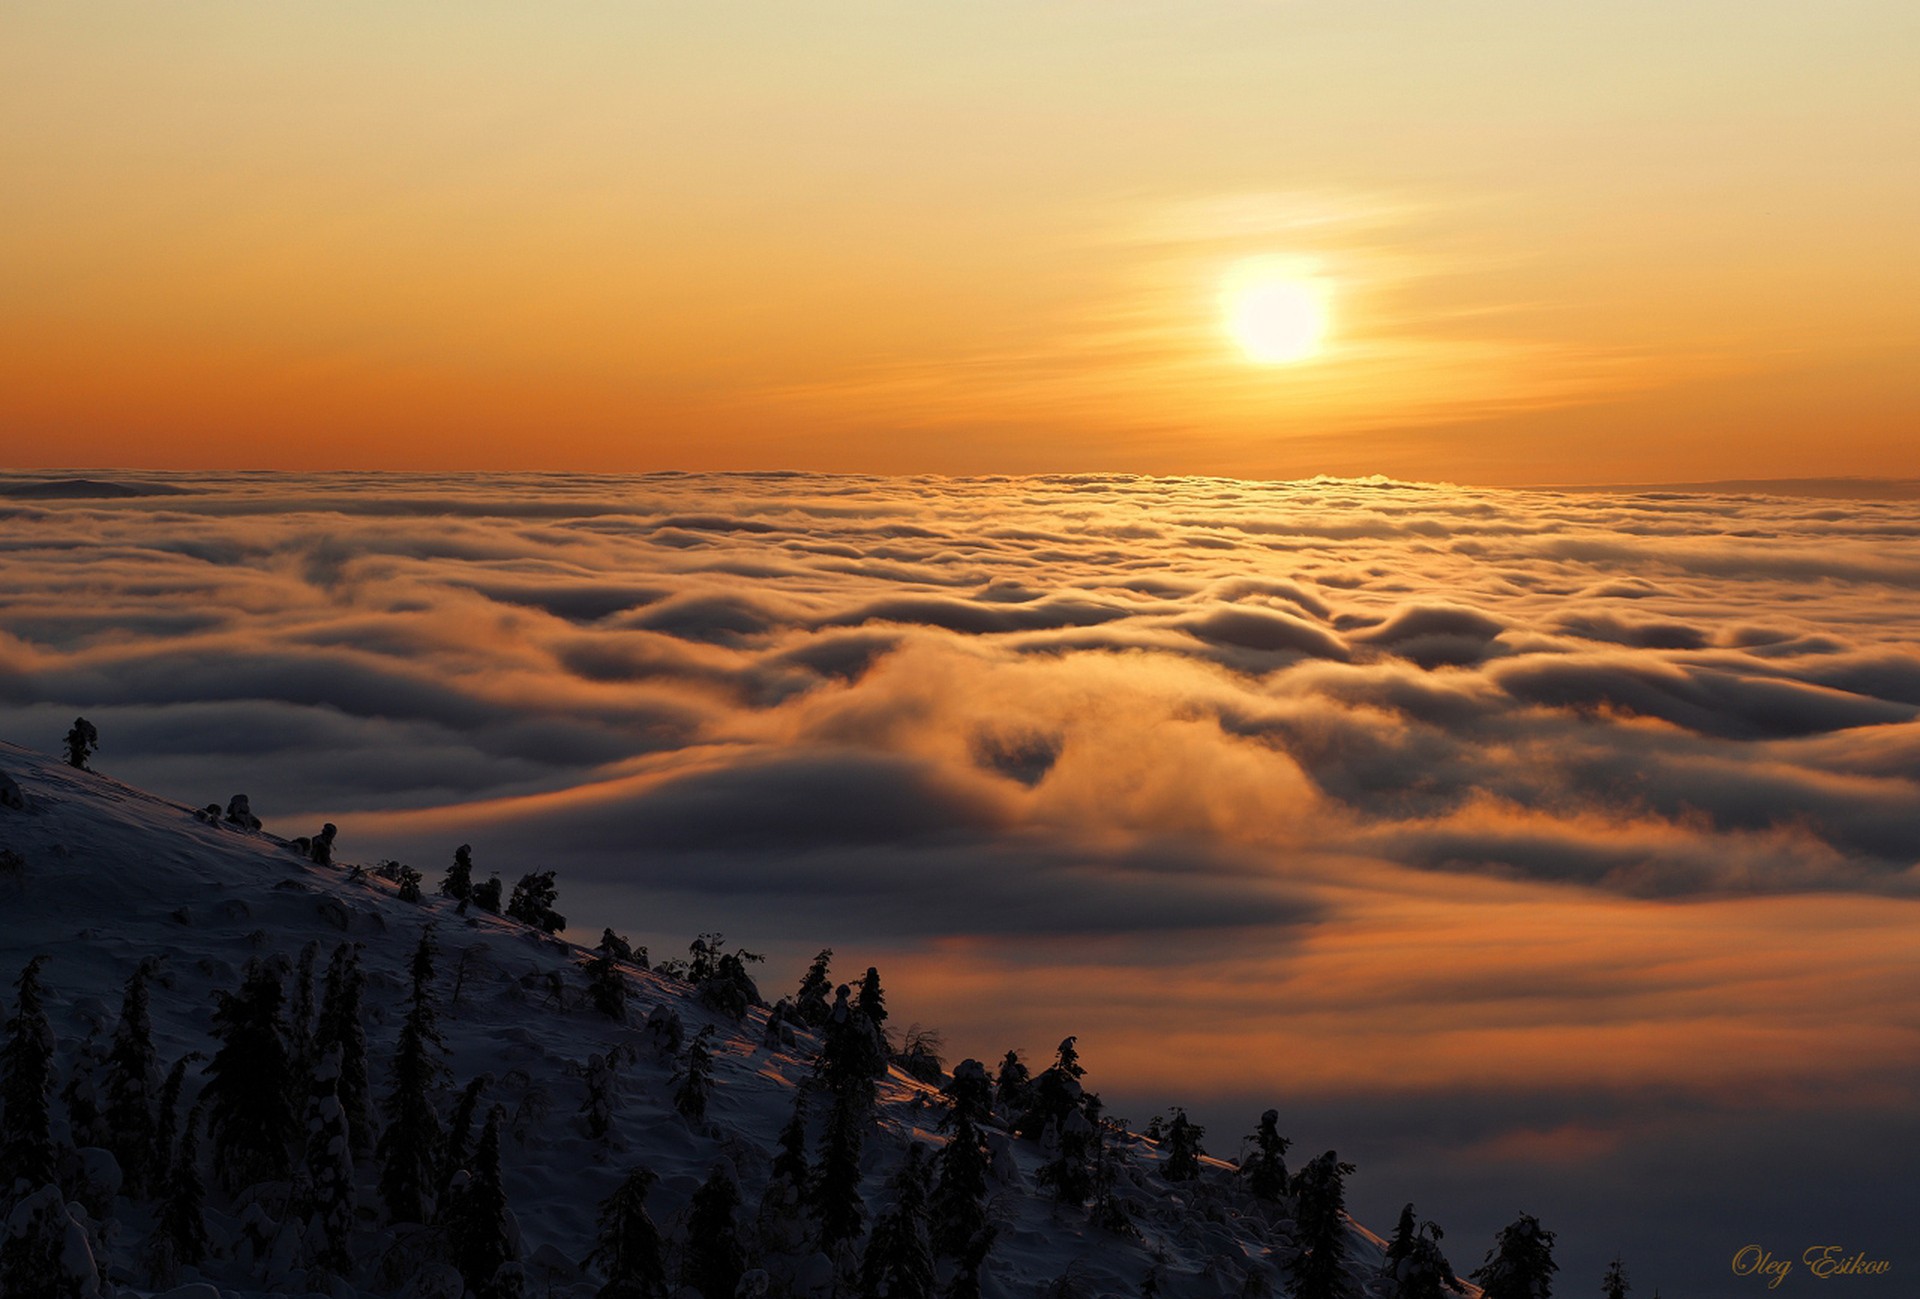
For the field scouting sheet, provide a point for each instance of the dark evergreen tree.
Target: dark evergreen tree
(899, 1258)
(872, 1002)
(696, 1084)
(407, 883)
(812, 1001)
(1320, 1229)
(1614, 1284)
(597, 1108)
(167, 1114)
(83, 741)
(320, 847)
(326, 1184)
(180, 1226)
(628, 1248)
(341, 1029)
(1520, 1265)
(606, 986)
(532, 902)
(966, 1277)
(301, 1056)
(958, 1206)
(486, 894)
(1266, 1168)
(1012, 1084)
(970, 1091)
(1069, 1174)
(477, 1234)
(1183, 1147)
(1108, 1211)
(614, 947)
(410, 1149)
(1415, 1267)
(460, 1131)
(80, 1095)
(250, 1080)
(1054, 1095)
(458, 884)
(712, 1259)
(26, 1090)
(852, 1053)
(836, 1175)
(728, 988)
(129, 1084)
(790, 1165)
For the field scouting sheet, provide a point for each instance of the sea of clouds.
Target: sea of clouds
(1126, 739)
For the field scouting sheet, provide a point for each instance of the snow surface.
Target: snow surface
(114, 875)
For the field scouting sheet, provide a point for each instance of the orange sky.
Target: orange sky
(1563, 243)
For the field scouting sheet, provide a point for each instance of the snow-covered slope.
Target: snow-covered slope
(113, 876)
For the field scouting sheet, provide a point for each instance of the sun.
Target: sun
(1275, 311)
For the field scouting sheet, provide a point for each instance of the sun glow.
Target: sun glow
(1275, 311)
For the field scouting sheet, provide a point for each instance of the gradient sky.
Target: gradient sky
(1564, 243)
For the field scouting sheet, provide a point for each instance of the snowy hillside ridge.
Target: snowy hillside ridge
(103, 880)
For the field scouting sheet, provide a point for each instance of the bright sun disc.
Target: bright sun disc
(1275, 315)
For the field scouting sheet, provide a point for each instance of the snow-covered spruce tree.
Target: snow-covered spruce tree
(1183, 1146)
(812, 1001)
(1054, 1094)
(1414, 1267)
(486, 894)
(970, 1091)
(1319, 1267)
(728, 989)
(320, 849)
(180, 1224)
(966, 1277)
(300, 1015)
(1069, 1174)
(407, 883)
(532, 902)
(597, 1108)
(458, 883)
(835, 1193)
(790, 1164)
(130, 1079)
(696, 1083)
(1520, 1265)
(46, 1253)
(613, 946)
(1108, 1211)
(1614, 1284)
(326, 1183)
(166, 1114)
(477, 1235)
(606, 986)
(1011, 1086)
(899, 1257)
(711, 1256)
(80, 1095)
(872, 1001)
(340, 1029)
(1266, 1167)
(958, 1203)
(627, 1249)
(26, 1090)
(250, 1081)
(460, 1131)
(410, 1149)
(83, 741)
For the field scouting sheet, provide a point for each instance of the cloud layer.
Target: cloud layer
(1347, 791)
